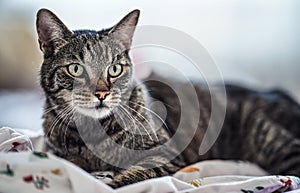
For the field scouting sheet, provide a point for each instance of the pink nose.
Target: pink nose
(101, 95)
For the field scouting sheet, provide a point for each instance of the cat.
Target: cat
(97, 115)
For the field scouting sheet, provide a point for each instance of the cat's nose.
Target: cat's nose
(101, 95)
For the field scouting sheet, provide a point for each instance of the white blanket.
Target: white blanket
(31, 172)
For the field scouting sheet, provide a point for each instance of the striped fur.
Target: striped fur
(259, 127)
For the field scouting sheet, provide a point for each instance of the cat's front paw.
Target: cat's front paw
(116, 184)
(130, 176)
(113, 185)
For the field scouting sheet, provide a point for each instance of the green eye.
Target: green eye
(75, 70)
(115, 70)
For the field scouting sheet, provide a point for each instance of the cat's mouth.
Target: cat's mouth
(98, 106)
(100, 110)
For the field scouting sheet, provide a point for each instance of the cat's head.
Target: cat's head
(89, 71)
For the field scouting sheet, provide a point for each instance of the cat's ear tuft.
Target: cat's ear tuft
(52, 33)
(124, 30)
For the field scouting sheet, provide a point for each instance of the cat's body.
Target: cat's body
(91, 93)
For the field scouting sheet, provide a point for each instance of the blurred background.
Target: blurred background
(253, 42)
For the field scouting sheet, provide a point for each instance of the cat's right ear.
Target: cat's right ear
(52, 33)
(124, 30)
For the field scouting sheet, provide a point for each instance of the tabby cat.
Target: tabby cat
(97, 114)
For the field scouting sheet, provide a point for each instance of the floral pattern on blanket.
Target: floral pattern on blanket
(43, 172)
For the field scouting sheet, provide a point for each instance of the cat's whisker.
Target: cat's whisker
(54, 124)
(57, 119)
(69, 118)
(128, 115)
(133, 120)
(134, 132)
(49, 109)
(151, 111)
(124, 124)
(148, 134)
(133, 137)
(112, 102)
(149, 91)
(141, 116)
(64, 118)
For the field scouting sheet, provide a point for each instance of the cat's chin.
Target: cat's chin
(96, 113)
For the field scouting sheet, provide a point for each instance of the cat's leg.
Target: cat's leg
(270, 145)
(150, 167)
(154, 164)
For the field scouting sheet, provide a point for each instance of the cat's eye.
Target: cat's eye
(115, 70)
(75, 70)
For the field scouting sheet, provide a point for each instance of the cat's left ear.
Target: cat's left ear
(124, 30)
(52, 32)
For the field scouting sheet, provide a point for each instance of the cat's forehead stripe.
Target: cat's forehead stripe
(88, 47)
(81, 56)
